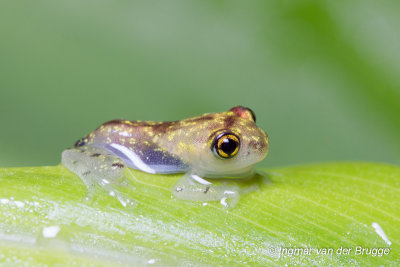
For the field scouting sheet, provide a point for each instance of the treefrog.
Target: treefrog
(214, 145)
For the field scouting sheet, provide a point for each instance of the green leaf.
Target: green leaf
(315, 206)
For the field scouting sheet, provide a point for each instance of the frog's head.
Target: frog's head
(234, 144)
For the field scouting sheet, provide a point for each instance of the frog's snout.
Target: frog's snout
(258, 147)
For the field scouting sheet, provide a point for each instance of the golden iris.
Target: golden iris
(226, 145)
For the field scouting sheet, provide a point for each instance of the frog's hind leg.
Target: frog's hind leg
(195, 188)
(96, 166)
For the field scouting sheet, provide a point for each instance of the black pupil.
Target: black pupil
(228, 146)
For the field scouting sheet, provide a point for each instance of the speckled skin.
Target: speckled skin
(178, 146)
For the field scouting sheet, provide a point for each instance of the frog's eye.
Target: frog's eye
(226, 145)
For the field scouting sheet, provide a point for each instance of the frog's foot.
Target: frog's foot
(193, 187)
(96, 166)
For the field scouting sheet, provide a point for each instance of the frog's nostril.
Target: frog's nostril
(255, 145)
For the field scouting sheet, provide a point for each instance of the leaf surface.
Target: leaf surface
(298, 210)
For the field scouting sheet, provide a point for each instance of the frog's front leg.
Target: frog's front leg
(96, 166)
(195, 188)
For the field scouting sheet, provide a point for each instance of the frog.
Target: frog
(205, 148)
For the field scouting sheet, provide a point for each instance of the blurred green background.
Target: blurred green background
(322, 77)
